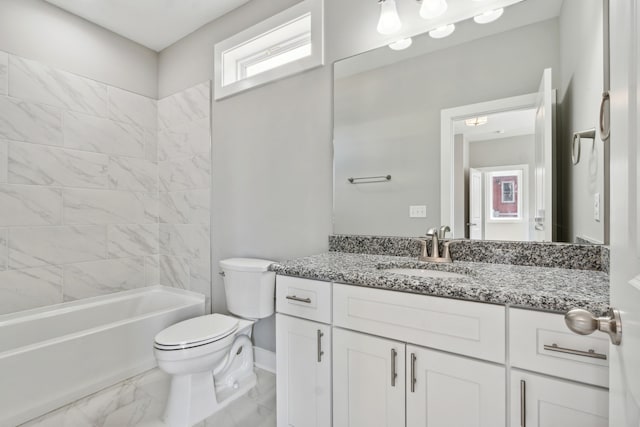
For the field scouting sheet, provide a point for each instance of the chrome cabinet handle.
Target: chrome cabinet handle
(471, 224)
(604, 133)
(413, 372)
(589, 353)
(320, 352)
(584, 323)
(394, 373)
(523, 403)
(295, 298)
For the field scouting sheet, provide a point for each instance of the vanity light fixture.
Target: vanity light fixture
(488, 16)
(431, 9)
(442, 32)
(389, 22)
(401, 44)
(476, 121)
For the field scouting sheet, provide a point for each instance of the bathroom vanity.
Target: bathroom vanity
(358, 345)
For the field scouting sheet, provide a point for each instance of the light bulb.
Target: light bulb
(389, 22)
(401, 44)
(488, 16)
(442, 32)
(431, 9)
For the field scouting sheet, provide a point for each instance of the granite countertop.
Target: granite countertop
(541, 288)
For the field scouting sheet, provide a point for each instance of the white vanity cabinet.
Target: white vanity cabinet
(303, 349)
(394, 359)
(542, 343)
(368, 380)
(382, 381)
(448, 390)
(539, 401)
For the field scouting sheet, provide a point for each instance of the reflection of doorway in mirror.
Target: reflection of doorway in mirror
(504, 193)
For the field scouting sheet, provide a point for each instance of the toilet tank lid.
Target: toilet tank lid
(245, 264)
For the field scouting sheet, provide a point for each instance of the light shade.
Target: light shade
(488, 16)
(389, 22)
(476, 121)
(431, 9)
(442, 32)
(401, 44)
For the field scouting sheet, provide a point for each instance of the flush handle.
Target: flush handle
(583, 322)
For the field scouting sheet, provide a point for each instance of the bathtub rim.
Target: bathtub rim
(39, 313)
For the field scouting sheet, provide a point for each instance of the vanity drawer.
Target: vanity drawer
(468, 328)
(309, 299)
(542, 342)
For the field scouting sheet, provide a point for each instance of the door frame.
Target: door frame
(447, 118)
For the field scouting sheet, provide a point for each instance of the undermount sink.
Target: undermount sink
(420, 272)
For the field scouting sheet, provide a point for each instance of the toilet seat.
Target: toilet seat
(196, 332)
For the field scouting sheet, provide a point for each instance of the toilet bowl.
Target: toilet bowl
(210, 358)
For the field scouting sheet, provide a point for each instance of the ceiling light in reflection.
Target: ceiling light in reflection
(443, 31)
(488, 16)
(401, 44)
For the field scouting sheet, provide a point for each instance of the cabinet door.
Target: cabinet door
(538, 401)
(368, 381)
(303, 363)
(447, 390)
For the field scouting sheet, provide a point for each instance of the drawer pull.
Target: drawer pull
(589, 353)
(295, 298)
(413, 373)
(394, 374)
(523, 403)
(320, 352)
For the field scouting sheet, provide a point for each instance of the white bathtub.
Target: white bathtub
(54, 355)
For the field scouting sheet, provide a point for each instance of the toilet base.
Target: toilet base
(197, 396)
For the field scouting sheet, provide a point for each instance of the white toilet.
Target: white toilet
(210, 357)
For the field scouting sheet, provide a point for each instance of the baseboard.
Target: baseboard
(264, 359)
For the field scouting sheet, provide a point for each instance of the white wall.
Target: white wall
(38, 30)
(579, 97)
(387, 121)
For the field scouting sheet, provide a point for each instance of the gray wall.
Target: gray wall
(37, 30)
(579, 98)
(387, 121)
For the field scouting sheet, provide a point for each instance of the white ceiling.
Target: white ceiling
(155, 24)
(499, 125)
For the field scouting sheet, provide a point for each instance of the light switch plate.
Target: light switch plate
(596, 207)
(418, 211)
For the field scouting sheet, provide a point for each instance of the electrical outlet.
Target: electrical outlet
(596, 207)
(419, 211)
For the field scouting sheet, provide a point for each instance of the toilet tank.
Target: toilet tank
(249, 287)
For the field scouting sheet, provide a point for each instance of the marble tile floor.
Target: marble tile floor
(140, 402)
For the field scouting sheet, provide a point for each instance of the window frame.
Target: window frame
(314, 8)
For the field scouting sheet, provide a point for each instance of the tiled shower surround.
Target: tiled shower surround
(101, 189)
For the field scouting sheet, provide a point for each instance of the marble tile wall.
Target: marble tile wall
(79, 202)
(184, 171)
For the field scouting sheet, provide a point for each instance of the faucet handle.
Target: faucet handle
(442, 233)
(432, 231)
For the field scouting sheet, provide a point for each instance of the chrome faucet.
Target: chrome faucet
(435, 250)
(442, 233)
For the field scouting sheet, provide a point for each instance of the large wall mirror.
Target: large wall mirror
(476, 130)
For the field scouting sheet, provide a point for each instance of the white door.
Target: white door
(475, 204)
(447, 390)
(625, 211)
(368, 381)
(303, 364)
(539, 401)
(544, 173)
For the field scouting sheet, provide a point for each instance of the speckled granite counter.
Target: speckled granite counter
(542, 288)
